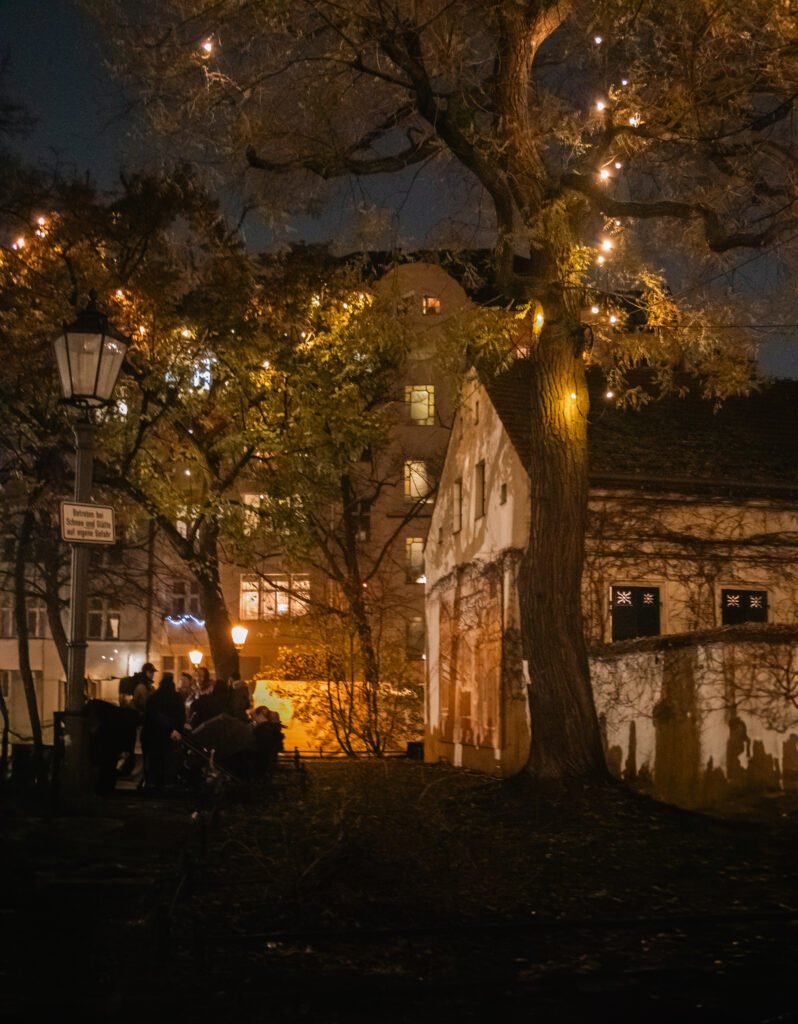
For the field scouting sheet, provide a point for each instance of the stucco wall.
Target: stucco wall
(697, 721)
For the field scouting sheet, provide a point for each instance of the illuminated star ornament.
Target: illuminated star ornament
(623, 597)
(733, 601)
(648, 598)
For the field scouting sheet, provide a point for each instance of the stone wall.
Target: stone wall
(696, 719)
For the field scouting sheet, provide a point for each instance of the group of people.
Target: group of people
(210, 712)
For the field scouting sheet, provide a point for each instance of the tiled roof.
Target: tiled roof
(750, 443)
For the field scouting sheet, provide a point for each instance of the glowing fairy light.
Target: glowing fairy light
(207, 47)
(539, 320)
(606, 245)
(184, 620)
(618, 165)
(185, 333)
(634, 120)
(19, 244)
(598, 40)
(604, 174)
(613, 319)
(119, 293)
(266, 364)
(624, 81)
(41, 222)
(601, 105)
(617, 223)
(594, 310)
(142, 330)
(573, 394)
(610, 394)
(600, 260)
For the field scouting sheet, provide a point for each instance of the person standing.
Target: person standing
(164, 718)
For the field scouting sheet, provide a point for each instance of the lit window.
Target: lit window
(420, 403)
(418, 481)
(415, 639)
(414, 559)
(738, 606)
(479, 490)
(430, 305)
(103, 620)
(634, 612)
(251, 503)
(457, 506)
(277, 594)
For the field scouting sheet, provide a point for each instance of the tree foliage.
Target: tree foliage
(629, 150)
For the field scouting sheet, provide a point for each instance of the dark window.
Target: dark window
(415, 640)
(184, 599)
(634, 611)
(743, 606)
(103, 620)
(503, 495)
(457, 506)
(479, 490)
(363, 520)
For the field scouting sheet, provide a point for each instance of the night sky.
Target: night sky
(83, 127)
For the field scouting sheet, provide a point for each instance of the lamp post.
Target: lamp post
(195, 657)
(89, 355)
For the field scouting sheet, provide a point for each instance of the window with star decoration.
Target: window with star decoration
(634, 612)
(738, 605)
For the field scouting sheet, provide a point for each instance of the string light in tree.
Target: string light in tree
(207, 47)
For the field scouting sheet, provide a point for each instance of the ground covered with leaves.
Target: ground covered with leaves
(399, 891)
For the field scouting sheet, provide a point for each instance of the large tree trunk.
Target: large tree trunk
(354, 591)
(565, 734)
(217, 617)
(218, 626)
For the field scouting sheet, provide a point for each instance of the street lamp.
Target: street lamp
(195, 657)
(89, 355)
(239, 634)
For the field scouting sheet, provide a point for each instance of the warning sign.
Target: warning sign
(87, 524)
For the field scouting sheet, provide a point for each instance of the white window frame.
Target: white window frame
(414, 559)
(108, 614)
(420, 404)
(273, 596)
(418, 481)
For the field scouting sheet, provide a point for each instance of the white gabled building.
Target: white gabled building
(689, 594)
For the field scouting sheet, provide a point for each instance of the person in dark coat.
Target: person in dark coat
(209, 705)
(164, 718)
